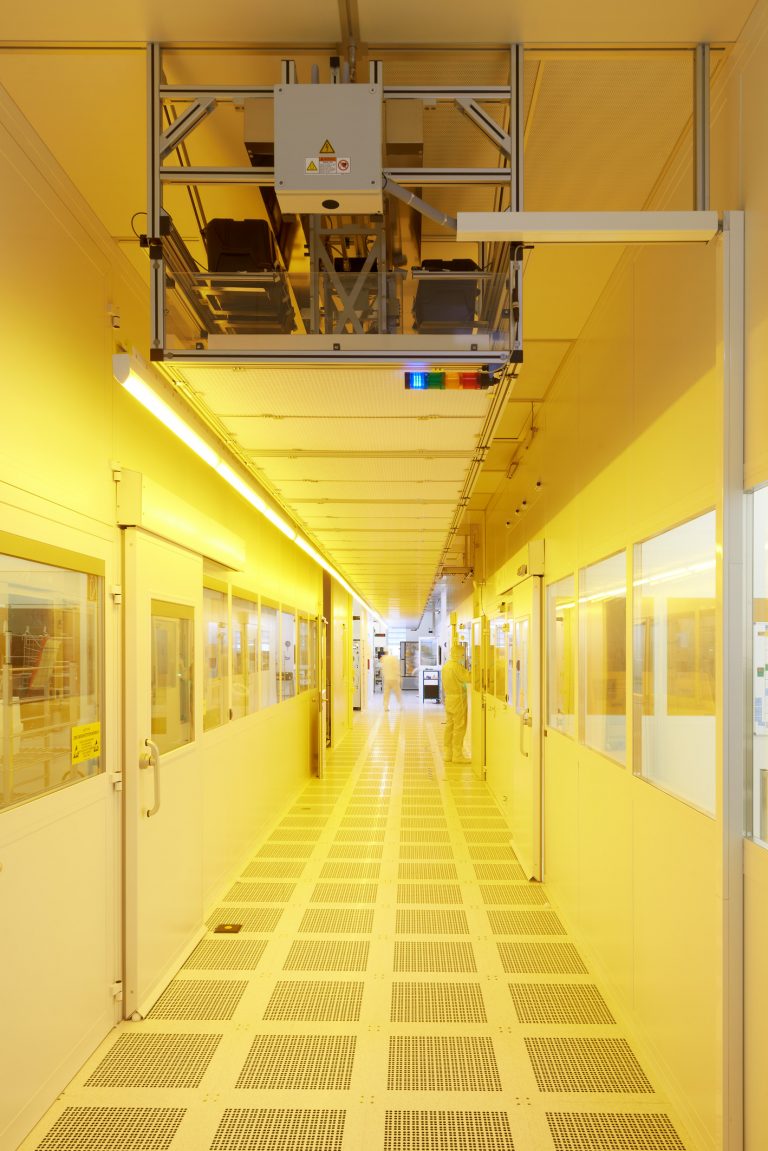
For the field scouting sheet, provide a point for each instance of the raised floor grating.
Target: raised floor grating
(437, 1003)
(279, 1129)
(418, 871)
(491, 851)
(316, 1000)
(279, 869)
(152, 1060)
(344, 893)
(587, 1065)
(327, 955)
(560, 958)
(226, 955)
(356, 851)
(299, 1063)
(480, 835)
(504, 893)
(608, 1131)
(280, 850)
(427, 922)
(567, 1003)
(442, 1063)
(429, 893)
(356, 870)
(113, 1129)
(260, 893)
(358, 835)
(538, 922)
(503, 871)
(199, 999)
(337, 921)
(447, 1131)
(288, 834)
(418, 956)
(426, 851)
(261, 919)
(424, 835)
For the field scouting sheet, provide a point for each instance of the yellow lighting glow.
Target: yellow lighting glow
(127, 371)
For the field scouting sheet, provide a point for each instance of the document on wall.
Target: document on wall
(760, 678)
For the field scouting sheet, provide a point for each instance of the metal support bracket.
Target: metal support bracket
(193, 115)
(485, 123)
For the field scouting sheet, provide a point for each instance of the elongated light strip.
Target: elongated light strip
(127, 372)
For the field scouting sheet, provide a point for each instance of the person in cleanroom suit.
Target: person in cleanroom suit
(390, 678)
(455, 680)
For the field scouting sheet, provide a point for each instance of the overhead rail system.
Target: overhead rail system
(325, 248)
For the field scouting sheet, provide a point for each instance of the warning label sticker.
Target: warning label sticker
(343, 164)
(86, 742)
(327, 149)
(310, 164)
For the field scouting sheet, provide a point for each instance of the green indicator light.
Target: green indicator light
(435, 379)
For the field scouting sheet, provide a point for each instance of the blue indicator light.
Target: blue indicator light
(416, 381)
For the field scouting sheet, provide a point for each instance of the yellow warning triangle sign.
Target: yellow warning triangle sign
(327, 148)
(311, 166)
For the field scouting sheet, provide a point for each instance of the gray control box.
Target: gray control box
(328, 141)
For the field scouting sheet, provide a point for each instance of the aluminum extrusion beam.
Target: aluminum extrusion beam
(701, 121)
(204, 175)
(183, 125)
(486, 124)
(588, 227)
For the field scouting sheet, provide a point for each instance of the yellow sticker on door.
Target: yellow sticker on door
(86, 742)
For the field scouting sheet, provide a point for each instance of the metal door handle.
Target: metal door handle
(526, 720)
(151, 758)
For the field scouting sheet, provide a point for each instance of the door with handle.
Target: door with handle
(525, 707)
(163, 833)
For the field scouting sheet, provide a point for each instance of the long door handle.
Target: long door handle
(151, 758)
(526, 720)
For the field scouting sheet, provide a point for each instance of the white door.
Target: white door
(525, 705)
(163, 774)
(323, 713)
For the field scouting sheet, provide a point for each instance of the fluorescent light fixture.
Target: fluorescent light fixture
(131, 374)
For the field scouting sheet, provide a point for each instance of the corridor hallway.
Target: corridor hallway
(396, 986)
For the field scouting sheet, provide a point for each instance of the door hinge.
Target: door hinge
(117, 780)
(117, 593)
(116, 990)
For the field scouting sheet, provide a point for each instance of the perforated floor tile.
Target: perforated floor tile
(437, 1003)
(566, 1003)
(279, 869)
(344, 893)
(427, 871)
(299, 1063)
(511, 893)
(559, 958)
(260, 893)
(356, 870)
(433, 956)
(152, 1060)
(596, 1131)
(327, 955)
(226, 955)
(447, 1131)
(588, 1065)
(337, 921)
(258, 919)
(538, 922)
(283, 1129)
(427, 922)
(442, 1063)
(113, 1129)
(199, 999)
(429, 893)
(317, 1000)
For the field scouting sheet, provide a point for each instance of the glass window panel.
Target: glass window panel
(313, 653)
(51, 653)
(477, 654)
(216, 659)
(561, 655)
(522, 631)
(760, 667)
(428, 651)
(268, 660)
(674, 679)
(172, 682)
(304, 675)
(245, 667)
(602, 634)
(497, 662)
(287, 654)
